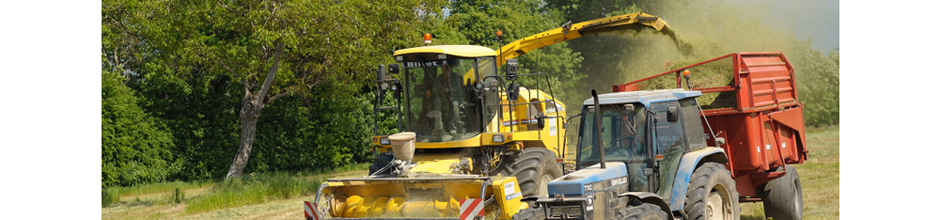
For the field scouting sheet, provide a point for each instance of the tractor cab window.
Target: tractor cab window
(441, 104)
(623, 134)
(624, 138)
(669, 145)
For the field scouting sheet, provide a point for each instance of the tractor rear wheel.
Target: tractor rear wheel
(783, 197)
(712, 194)
(534, 169)
(645, 211)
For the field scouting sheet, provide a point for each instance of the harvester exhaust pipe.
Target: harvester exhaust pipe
(597, 125)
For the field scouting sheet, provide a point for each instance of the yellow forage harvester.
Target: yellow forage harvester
(473, 127)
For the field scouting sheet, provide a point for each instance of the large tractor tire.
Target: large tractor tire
(783, 197)
(534, 169)
(529, 214)
(712, 194)
(380, 162)
(645, 211)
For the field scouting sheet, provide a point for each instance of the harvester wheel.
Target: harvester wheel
(534, 169)
(783, 197)
(529, 214)
(645, 211)
(712, 194)
(380, 162)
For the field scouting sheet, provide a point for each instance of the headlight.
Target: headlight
(557, 212)
(384, 141)
(498, 138)
(574, 212)
(571, 212)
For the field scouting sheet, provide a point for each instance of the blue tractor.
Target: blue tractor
(647, 159)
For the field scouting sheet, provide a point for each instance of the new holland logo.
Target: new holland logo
(618, 181)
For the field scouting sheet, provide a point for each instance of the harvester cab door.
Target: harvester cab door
(668, 145)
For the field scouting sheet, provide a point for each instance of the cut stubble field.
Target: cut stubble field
(819, 176)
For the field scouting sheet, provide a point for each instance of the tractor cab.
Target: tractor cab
(648, 131)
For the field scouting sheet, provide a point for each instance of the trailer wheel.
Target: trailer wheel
(712, 194)
(534, 169)
(783, 197)
(645, 211)
(380, 162)
(529, 214)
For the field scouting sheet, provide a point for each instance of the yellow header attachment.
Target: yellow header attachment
(571, 31)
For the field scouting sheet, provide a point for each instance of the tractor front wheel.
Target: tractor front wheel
(712, 194)
(645, 211)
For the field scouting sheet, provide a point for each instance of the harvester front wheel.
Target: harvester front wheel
(534, 169)
(380, 162)
(529, 214)
(712, 194)
(783, 197)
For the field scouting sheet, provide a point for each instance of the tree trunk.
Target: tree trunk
(251, 110)
(248, 116)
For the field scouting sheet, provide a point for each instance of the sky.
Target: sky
(815, 20)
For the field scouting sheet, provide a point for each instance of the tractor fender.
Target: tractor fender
(687, 165)
(651, 198)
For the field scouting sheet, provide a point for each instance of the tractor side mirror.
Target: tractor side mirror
(478, 86)
(513, 92)
(719, 141)
(672, 113)
(512, 68)
(396, 88)
(393, 68)
(540, 118)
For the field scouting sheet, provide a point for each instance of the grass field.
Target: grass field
(279, 197)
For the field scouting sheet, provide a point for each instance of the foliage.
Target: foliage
(109, 196)
(253, 189)
(313, 133)
(478, 22)
(135, 147)
(817, 84)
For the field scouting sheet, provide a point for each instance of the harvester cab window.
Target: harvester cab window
(441, 106)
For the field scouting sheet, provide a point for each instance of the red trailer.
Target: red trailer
(757, 112)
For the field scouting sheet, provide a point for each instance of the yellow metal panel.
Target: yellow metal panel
(508, 196)
(456, 50)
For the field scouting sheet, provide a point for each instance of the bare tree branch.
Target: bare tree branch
(272, 72)
(288, 91)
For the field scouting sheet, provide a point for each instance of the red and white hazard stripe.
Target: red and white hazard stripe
(310, 211)
(470, 208)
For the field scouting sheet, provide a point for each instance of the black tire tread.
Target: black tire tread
(529, 167)
(529, 214)
(645, 211)
(379, 162)
(778, 196)
(699, 189)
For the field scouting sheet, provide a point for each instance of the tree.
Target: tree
(478, 21)
(275, 49)
(135, 147)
